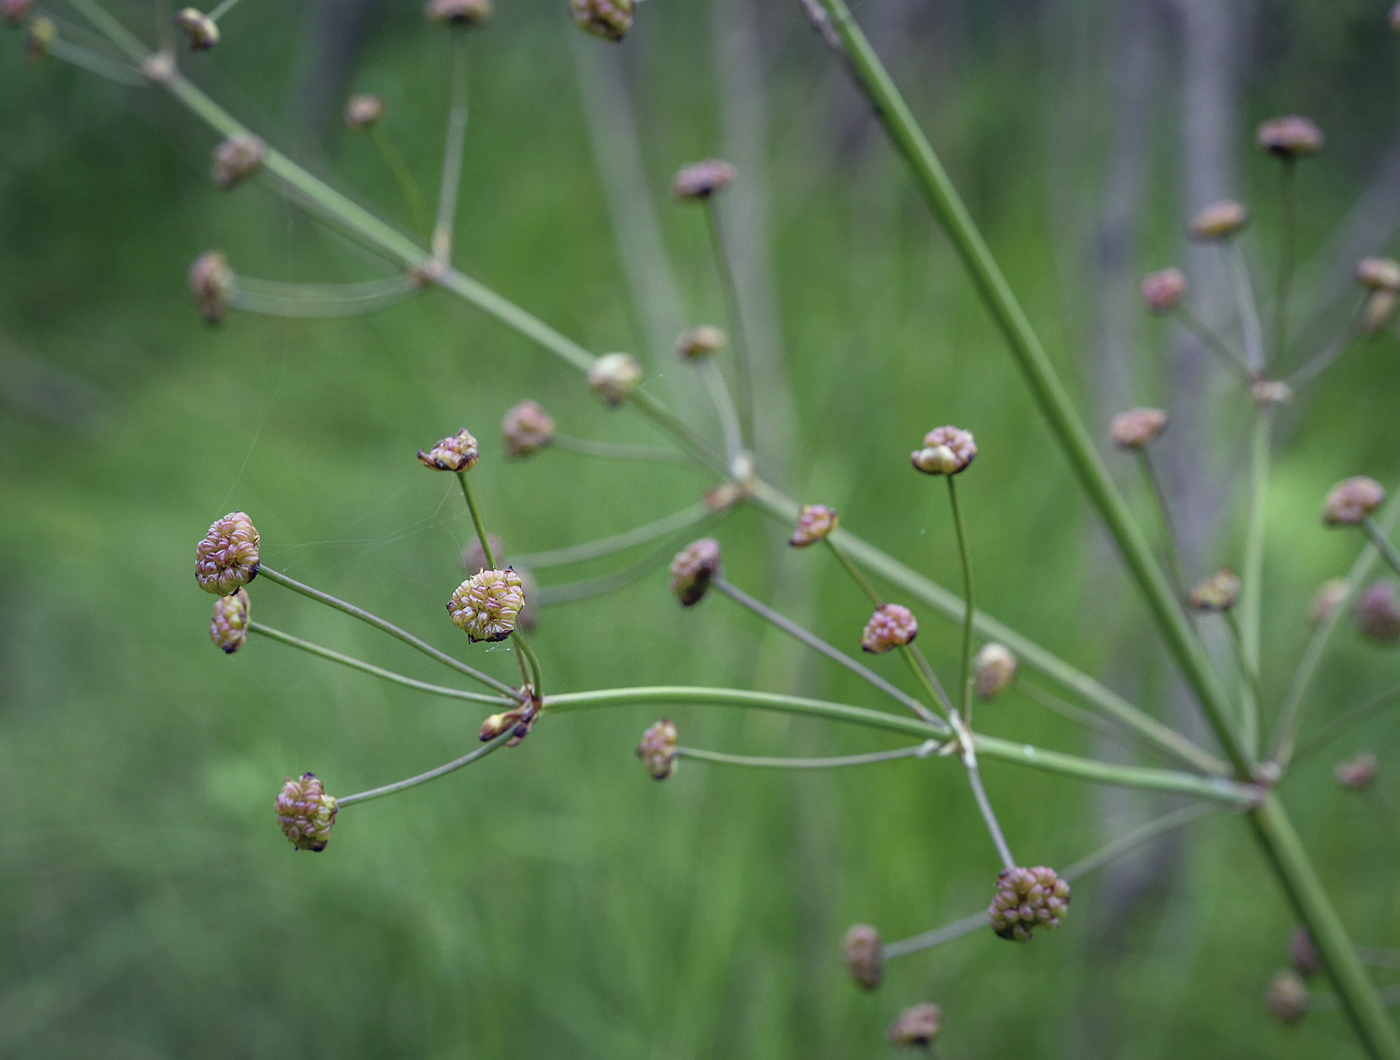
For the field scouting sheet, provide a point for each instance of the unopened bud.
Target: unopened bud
(1163, 290)
(39, 38)
(1327, 599)
(227, 558)
(699, 343)
(947, 451)
(861, 948)
(891, 626)
(692, 570)
(1356, 773)
(995, 668)
(1287, 998)
(917, 1026)
(1378, 613)
(486, 605)
(1219, 221)
(658, 749)
(229, 627)
(605, 19)
(1270, 392)
(1290, 137)
(1378, 310)
(1302, 952)
(614, 376)
(305, 812)
(1027, 899)
(211, 285)
(526, 428)
(814, 522)
(14, 11)
(457, 12)
(1136, 427)
(362, 111)
(201, 31)
(1379, 274)
(518, 721)
(236, 159)
(458, 452)
(1219, 592)
(1351, 500)
(700, 180)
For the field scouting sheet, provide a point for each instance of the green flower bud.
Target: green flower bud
(456, 453)
(201, 31)
(486, 605)
(229, 627)
(38, 38)
(658, 749)
(306, 813)
(946, 451)
(227, 558)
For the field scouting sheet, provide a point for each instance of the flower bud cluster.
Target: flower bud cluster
(1027, 899)
(211, 285)
(485, 606)
(699, 181)
(891, 626)
(201, 31)
(658, 749)
(1356, 773)
(995, 668)
(1351, 500)
(305, 812)
(363, 110)
(1219, 221)
(1136, 428)
(693, 568)
(947, 451)
(916, 1026)
(699, 343)
(1290, 137)
(227, 558)
(1378, 613)
(861, 948)
(1219, 592)
(1162, 291)
(459, 452)
(229, 627)
(814, 522)
(526, 428)
(605, 19)
(614, 376)
(236, 159)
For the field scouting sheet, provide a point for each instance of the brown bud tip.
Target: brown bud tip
(614, 376)
(947, 451)
(891, 626)
(1292, 136)
(916, 1026)
(14, 11)
(363, 110)
(604, 19)
(201, 31)
(995, 669)
(814, 522)
(486, 605)
(700, 180)
(526, 428)
(1163, 290)
(236, 159)
(1327, 599)
(1218, 592)
(1136, 427)
(457, 12)
(1219, 221)
(305, 812)
(458, 452)
(1302, 952)
(211, 285)
(1287, 998)
(1351, 500)
(1356, 773)
(692, 570)
(1378, 613)
(229, 627)
(699, 343)
(861, 948)
(1027, 899)
(227, 558)
(1269, 392)
(658, 749)
(39, 38)
(1379, 274)
(1378, 311)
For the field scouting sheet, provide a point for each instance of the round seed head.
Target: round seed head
(692, 570)
(916, 1026)
(1289, 137)
(38, 38)
(1356, 773)
(1302, 953)
(604, 19)
(1378, 613)
(658, 749)
(1163, 290)
(1379, 274)
(1218, 592)
(14, 11)
(861, 948)
(891, 626)
(229, 627)
(1027, 899)
(458, 452)
(457, 12)
(1351, 500)
(995, 669)
(1287, 998)
(526, 428)
(486, 605)
(947, 451)
(201, 31)
(236, 159)
(363, 110)
(700, 180)
(1137, 427)
(614, 376)
(1327, 599)
(699, 343)
(227, 558)
(211, 285)
(814, 522)
(1378, 311)
(1219, 221)
(305, 812)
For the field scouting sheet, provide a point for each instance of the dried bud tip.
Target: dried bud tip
(14, 11)
(1378, 311)
(891, 626)
(1027, 899)
(1302, 952)
(306, 813)
(486, 605)
(916, 1026)
(693, 568)
(363, 110)
(457, 12)
(1379, 274)
(211, 285)
(658, 749)
(201, 30)
(1356, 773)
(458, 452)
(1351, 500)
(1163, 290)
(814, 522)
(1218, 592)
(227, 558)
(517, 721)
(614, 376)
(700, 180)
(699, 343)
(1378, 613)
(995, 669)
(860, 947)
(39, 38)
(1287, 998)
(1219, 221)
(1328, 598)
(947, 451)
(1136, 427)
(236, 159)
(526, 428)
(604, 19)
(1290, 137)
(1269, 392)
(229, 627)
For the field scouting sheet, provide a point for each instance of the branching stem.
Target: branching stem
(422, 778)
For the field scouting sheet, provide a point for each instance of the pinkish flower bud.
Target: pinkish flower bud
(891, 626)
(658, 749)
(946, 451)
(211, 285)
(200, 30)
(699, 343)
(698, 181)
(456, 453)
(306, 813)
(526, 429)
(692, 570)
(1219, 592)
(917, 1026)
(1027, 899)
(1290, 137)
(1356, 773)
(814, 522)
(1351, 500)
(1302, 952)
(1379, 274)
(1136, 427)
(995, 669)
(362, 111)
(1163, 290)
(614, 376)
(14, 11)
(1219, 221)
(1378, 311)
(236, 159)
(39, 38)
(861, 948)
(227, 558)
(486, 605)
(457, 12)
(1287, 998)
(1327, 599)
(229, 627)
(604, 19)
(1378, 613)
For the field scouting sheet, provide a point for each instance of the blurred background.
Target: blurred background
(553, 900)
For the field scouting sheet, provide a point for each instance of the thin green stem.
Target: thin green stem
(1249, 676)
(1346, 723)
(969, 604)
(1251, 579)
(681, 431)
(95, 63)
(724, 407)
(1247, 308)
(273, 298)
(403, 177)
(853, 571)
(725, 268)
(1159, 503)
(967, 747)
(1213, 342)
(1287, 241)
(387, 627)
(607, 546)
(422, 778)
(481, 534)
(604, 583)
(922, 750)
(1382, 544)
(1327, 356)
(929, 679)
(1125, 738)
(454, 143)
(536, 676)
(619, 450)
(223, 9)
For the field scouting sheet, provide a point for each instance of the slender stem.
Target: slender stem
(1346, 722)
(95, 63)
(389, 628)
(1213, 342)
(937, 937)
(922, 750)
(605, 583)
(837, 656)
(536, 676)
(607, 546)
(403, 177)
(924, 671)
(966, 745)
(1288, 237)
(1251, 580)
(1249, 675)
(223, 9)
(1248, 310)
(1327, 356)
(619, 451)
(387, 675)
(969, 605)
(854, 572)
(1382, 544)
(432, 774)
(319, 300)
(724, 407)
(736, 323)
(1159, 502)
(452, 151)
(1124, 738)
(681, 431)
(476, 520)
